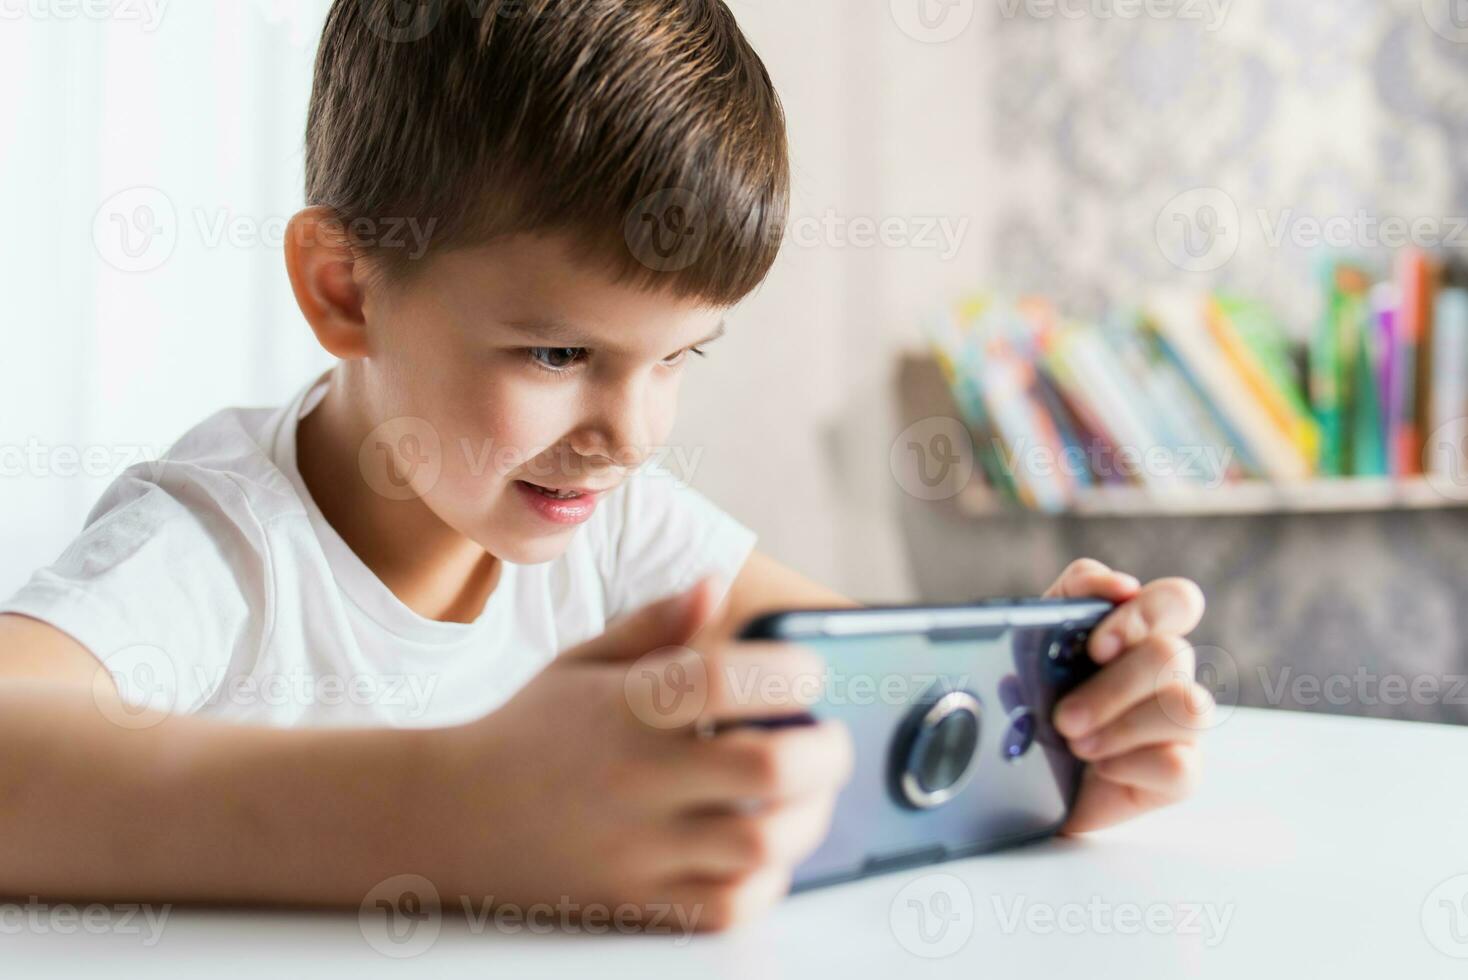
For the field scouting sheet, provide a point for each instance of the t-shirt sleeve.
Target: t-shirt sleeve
(166, 585)
(663, 537)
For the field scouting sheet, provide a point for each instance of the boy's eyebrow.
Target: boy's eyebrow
(719, 331)
(556, 332)
(560, 333)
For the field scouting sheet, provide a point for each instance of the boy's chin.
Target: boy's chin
(537, 550)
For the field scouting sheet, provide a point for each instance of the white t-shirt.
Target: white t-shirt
(209, 582)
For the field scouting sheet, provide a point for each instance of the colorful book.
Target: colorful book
(1363, 446)
(957, 351)
(1058, 405)
(1327, 399)
(1178, 411)
(1390, 364)
(1449, 399)
(1415, 280)
(1180, 319)
(1255, 347)
(1022, 429)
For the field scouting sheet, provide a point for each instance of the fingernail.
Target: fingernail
(1107, 646)
(1087, 745)
(1129, 581)
(1074, 719)
(717, 584)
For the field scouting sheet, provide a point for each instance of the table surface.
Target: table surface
(1317, 846)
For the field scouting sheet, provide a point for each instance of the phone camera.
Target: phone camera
(942, 752)
(1067, 648)
(1067, 657)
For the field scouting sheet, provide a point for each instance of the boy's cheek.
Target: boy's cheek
(488, 442)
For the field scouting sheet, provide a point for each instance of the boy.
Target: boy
(367, 634)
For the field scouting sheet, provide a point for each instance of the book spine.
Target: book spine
(960, 358)
(1450, 365)
(1300, 431)
(1388, 348)
(1137, 440)
(1325, 389)
(1415, 277)
(1180, 319)
(1094, 429)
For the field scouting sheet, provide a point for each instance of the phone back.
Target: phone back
(955, 751)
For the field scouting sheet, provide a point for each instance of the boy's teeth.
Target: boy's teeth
(558, 494)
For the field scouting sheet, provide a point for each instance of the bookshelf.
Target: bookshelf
(923, 393)
(1230, 414)
(1332, 496)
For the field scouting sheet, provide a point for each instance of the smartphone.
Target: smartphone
(950, 710)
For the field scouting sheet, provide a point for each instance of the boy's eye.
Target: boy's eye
(679, 357)
(561, 359)
(556, 358)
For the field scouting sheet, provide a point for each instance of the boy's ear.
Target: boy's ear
(324, 277)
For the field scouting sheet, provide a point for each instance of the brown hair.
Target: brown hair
(647, 131)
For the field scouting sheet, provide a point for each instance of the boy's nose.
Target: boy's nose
(620, 436)
(621, 425)
(618, 450)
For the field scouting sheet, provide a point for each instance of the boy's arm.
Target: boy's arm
(165, 808)
(100, 802)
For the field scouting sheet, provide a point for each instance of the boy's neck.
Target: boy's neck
(433, 569)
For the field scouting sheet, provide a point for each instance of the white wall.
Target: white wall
(885, 127)
(203, 110)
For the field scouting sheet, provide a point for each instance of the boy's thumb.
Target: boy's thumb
(668, 622)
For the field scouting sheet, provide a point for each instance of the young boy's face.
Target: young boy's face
(531, 368)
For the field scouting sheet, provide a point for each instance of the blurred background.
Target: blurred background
(1213, 232)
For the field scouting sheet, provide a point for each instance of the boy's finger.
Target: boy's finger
(710, 904)
(734, 843)
(1087, 578)
(675, 689)
(754, 766)
(1104, 803)
(1157, 721)
(762, 680)
(1169, 771)
(1129, 681)
(669, 622)
(1169, 605)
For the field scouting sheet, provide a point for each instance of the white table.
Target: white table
(1314, 849)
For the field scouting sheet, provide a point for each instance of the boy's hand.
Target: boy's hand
(593, 785)
(1136, 722)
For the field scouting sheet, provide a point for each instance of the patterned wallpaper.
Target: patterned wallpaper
(1349, 111)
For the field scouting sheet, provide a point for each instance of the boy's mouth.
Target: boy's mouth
(559, 493)
(559, 505)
